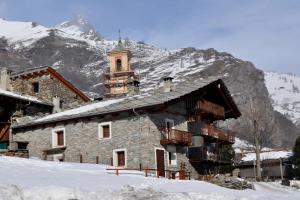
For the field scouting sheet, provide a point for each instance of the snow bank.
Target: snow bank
(24, 179)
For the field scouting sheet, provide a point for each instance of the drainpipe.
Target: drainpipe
(140, 132)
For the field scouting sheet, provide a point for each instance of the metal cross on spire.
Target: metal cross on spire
(120, 39)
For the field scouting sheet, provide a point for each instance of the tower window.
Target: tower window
(119, 64)
(35, 87)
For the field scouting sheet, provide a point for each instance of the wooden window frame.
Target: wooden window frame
(54, 137)
(100, 131)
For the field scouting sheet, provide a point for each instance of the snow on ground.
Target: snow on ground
(81, 109)
(24, 179)
(267, 155)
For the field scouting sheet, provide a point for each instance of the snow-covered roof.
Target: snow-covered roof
(137, 101)
(22, 97)
(79, 110)
(269, 155)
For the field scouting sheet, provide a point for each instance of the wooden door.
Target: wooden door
(121, 158)
(160, 162)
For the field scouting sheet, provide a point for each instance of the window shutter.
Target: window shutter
(106, 131)
(60, 138)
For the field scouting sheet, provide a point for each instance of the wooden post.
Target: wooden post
(117, 172)
(97, 159)
(146, 172)
(80, 158)
(157, 172)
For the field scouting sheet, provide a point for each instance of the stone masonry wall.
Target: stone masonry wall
(48, 88)
(140, 136)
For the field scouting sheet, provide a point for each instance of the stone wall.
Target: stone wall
(48, 88)
(139, 135)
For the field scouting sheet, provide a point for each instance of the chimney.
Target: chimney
(133, 86)
(168, 84)
(56, 104)
(4, 79)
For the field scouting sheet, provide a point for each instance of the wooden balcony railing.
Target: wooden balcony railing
(198, 154)
(109, 73)
(176, 137)
(205, 107)
(4, 131)
(212, 131)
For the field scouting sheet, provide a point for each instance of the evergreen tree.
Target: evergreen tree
(296, 158)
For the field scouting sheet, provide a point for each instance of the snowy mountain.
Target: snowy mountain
(79, 28)
(285, 93)
(77, 51)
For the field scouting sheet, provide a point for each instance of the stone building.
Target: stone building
(32, 93)
(166, 129)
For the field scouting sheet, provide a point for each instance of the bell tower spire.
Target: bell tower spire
(120, 78)
(120, 39)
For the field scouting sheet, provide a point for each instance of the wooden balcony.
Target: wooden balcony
(176, 137)
(4, 131)
(205, 108)
(217, 133)
(205, 154)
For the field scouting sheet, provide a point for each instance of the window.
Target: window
(105, 130)
(35, 87)
(119, 65)
(120, 158)
(61, 104)
(58, 137)
(22, 145)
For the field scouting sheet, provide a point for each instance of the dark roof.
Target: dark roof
(28, 70)
(156, 97)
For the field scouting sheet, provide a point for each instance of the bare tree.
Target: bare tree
(258, 127)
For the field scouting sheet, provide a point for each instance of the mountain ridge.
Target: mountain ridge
(82, 59)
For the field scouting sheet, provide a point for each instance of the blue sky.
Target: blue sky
(265, 32)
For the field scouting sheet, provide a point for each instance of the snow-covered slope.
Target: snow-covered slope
(22, 33)
(29, 179)
(285, 93)
(79, 28)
